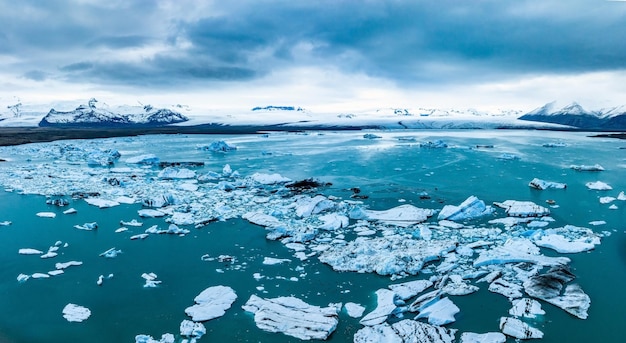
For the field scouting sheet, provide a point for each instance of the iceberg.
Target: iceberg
(563, 245)
(582, 167)
(211, 303)
(29, 251)
(527, 308)
(406, 330)
(598, 186)
(471, 208)
(165, 338)
(489, 337)
(111, 253)
(508, 289)
(407, 290)
(517, 250)
(133, 222)
(542, 184)
(292, 317)
(333, 221)
(261, 219)
(548, 287)
(87, 226)
(147, 159)
(151, 280)
(516, 208)
(440, 312)
(219, 146)
(171, 173)
(306, 207)
(403, 215)
(101, 203)
(75, 313)
(192, 330)
(518, 329)
(354, 310)
(386, 305)
(67, 264)
(46, 214)
(150, 213)
(270, 261)
(269, 179)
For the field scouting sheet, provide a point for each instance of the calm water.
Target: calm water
(386, 170)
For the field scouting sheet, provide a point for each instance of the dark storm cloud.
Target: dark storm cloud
(404, 41)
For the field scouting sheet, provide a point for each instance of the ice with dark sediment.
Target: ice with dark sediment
(405, 331)
(87, 226)
(471, 208)
(549, 287)
(506, 288)
(584, 167)
(527, 308)
(211, 303)
(516, 208)
(543, 184)
(518, 329)
(385, 307)
(293, 317)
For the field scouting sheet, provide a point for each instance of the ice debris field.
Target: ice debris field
(431, 254)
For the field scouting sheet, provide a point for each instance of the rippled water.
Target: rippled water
(386, 169)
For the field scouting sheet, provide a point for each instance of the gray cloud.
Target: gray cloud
(409, 42)
(35, 75)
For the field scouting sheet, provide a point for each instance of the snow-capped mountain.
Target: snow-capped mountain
(91, 115)
(575, 115)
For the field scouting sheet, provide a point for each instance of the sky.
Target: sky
(323, 55)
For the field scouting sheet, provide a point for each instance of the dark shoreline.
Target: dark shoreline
(24, 135)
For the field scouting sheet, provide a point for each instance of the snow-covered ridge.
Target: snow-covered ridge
(573, 114)
(90, 114)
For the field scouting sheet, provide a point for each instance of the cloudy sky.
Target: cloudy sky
(318, 54)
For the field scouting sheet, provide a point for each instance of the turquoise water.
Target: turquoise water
(386, 170)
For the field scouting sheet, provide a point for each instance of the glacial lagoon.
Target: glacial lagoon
(390, 169)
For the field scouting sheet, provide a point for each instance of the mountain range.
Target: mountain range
(91, 116)
(606, 119)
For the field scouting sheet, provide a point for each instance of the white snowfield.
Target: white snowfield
(512, 249)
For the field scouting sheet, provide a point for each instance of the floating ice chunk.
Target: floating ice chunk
(101, 203)
(171, 173)
(537, 224)
(159, 200)
(597, 222)
(582, 167)
(49, 254)
(211, 303)
(450, 224)
(516, 328)
(165, 338)
(517, 250)
(516, 208)
(87, 226)
(305, 206)
(269, 179)
(621, 196)
(613, 207)
(191, 329)
(333, 221)
(507, 156)
(542, 184)
(548, 287)
(471, 208)
(5, 223)
(46, 214)
(354, 310)
(150, 213)
(598, 186)
(371, 136)
(403, 215)
(218, 146)
(386, 305)
(151, 280)
(29, 251)
(272, 261)
(607, 200)
(385, 255)
(75, 313)
(410, 289)
(405, 331)
(293, 317)
(23, 278)
(489, 337)
(40, 276)
(440, 312)
(563, 245)
(111, 253)
(139, 236)
(100, 280)
(261, 219)
(70, 211)
(125, 200)
(182, 218)
(508, 289)
(55, 272)
(438, 144)
(67, 264)
(133, 222)
(122, 229)
(147, 159)
(458, 286)
(527, 308)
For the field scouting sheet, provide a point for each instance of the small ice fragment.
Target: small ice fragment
(23, 278)
(133, 222)
(211, 303)
(272, 261)
(139, 236)
(111, 253)
(75, 313)
(613, 207)
(354, 310)
(100, 279)
(192, 330)
(597, 222)
(542, 184)
(101, 203)
(49, 254)
(607, 200)
(67, 264)
(598, 186)
(122, 229)
(40, 276)
(87, 226)
(489, 337)
(70, 211)
(151, 280)
(150, 213)
(621, 196)
(595, 167)
(5, 223)
(55, 272)
(46, 214)
(29, 251)
(269, 179)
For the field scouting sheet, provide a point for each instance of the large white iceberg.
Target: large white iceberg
(293, 317)
(440, 312)
(471, 208)
(402, 215)
(75, 313)
(516, 208)
(405, 331)
(211, 303)
(386, 306)
(598, 186)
